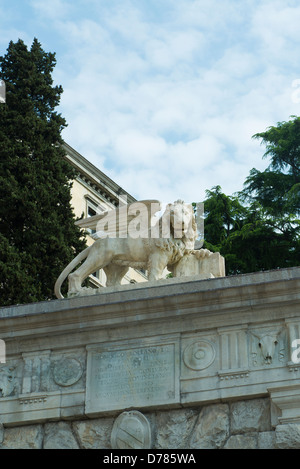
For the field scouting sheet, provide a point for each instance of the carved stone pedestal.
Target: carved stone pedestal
(206, 267)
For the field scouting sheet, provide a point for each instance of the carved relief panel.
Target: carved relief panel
(42, 372)
(234, 364)
(199, 355)
(131, 430)
(268, 347)
(67, 371)
(9, 382)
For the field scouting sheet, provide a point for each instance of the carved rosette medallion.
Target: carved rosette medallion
(67, 371)
(199, 355)
(131, 430)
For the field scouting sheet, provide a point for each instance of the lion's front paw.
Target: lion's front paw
(202, 253)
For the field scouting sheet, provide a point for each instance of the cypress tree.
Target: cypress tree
(37, 233)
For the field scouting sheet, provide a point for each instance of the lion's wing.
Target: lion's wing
(114, 223)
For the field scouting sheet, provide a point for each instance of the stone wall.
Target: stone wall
(231, 425)
(177, 364)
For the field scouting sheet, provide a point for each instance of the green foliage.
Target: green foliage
(239, 233)
(277, 188)
(259, 229)
(37, 232)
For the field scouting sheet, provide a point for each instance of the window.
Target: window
(91, 213)
(92, 209)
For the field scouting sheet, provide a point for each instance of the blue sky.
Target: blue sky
(164, 95)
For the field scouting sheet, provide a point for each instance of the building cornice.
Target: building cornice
(96, 179)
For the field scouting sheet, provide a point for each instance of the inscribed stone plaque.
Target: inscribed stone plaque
(132, 376)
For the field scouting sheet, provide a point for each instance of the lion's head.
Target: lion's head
(178, 229)
(183, 223)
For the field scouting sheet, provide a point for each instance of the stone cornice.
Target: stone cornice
(94, 178)
(243, 298)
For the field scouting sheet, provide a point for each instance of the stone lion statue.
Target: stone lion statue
(161, 245)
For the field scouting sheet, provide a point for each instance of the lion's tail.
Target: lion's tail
(81, 256)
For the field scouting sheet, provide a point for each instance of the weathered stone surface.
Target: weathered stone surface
(25, 437)
(94, 434)
(208, 428)
(212, 428)
(174, 428)
(245, 441)
(250, 415)
(162, 320)
(59, 436)
(288, 436)
(266, 440)
(205, 356)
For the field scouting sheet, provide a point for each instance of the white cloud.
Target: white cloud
(276, 24)
(137, 149)
(165, 96)
(167, 51)
(51, 10)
